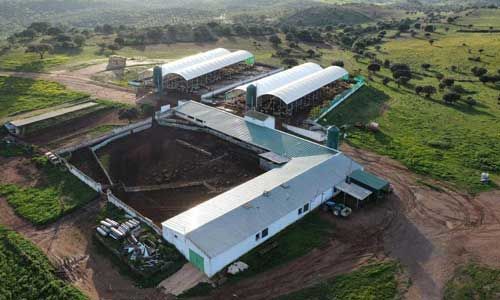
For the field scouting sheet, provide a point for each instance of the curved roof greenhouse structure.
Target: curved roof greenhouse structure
(220, 61)
(267, 84)
(297, 82)
(293, 91)
(192, 60)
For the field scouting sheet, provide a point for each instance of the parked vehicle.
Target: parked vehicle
(338, 209)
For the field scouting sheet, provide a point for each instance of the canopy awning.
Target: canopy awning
(354, 190)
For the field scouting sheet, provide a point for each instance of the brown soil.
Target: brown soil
(429, 231)
(74, 131)
(81, 83)
(156, 156)
(84, 160)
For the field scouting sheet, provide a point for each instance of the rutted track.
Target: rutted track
(430, 228)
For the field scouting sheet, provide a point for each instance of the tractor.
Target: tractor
(337, 209)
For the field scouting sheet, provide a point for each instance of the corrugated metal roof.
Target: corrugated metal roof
(267, 84)
(369, 179)
(52, 114)
(226, 220)
(196, 70)
(192, 60)
(354, 190)
(279, 142)
(297, 89)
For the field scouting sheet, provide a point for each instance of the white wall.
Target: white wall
(216, 264)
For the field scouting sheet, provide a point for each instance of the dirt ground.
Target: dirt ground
(76, 130)
(429, 231)
(81, 83)
(156, 157)
(70, 237)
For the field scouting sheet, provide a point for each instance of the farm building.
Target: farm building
(302, 175)
(193, 72)
(288, 92)
(22, 126)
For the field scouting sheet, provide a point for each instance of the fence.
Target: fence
(84, 178)
(136, 127)
(360, 81)
(120, 204)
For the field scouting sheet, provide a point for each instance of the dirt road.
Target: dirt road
(80, 81)
(429, 230)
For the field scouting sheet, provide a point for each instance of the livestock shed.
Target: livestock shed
(190, 73)
(303, 175)
(21, 126)
(285, 93)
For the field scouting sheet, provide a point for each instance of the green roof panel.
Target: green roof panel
(369, 179)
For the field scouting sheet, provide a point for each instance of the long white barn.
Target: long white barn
(217, 232)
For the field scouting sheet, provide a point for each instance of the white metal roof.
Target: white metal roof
(192, 60)
(354, 190)
(210, 65)
(277, 80)
(226, 220)
(52, 114)
(279, 142)
(299, 88)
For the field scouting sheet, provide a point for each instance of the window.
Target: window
(264, 233)
(300, 211)
(257, 237)
(306, 207)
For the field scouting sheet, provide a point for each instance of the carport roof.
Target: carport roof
(354, 190)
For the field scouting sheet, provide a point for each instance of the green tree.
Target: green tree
(41, 49)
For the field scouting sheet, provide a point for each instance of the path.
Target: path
(429, 231)
(80, 82)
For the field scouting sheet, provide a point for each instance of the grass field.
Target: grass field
(18, 95)
(450, 142)
(474, 282)
(26, 273)
(482, 18)
(296, 240)
(59, 194)
(373, 282)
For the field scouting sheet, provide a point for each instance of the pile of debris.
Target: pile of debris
(137, 245)
(115, 230)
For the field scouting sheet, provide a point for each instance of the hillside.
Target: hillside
(326, 15)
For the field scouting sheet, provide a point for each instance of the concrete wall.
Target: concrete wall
(120, 204)
(139, 126)
(84, 178)
(216, 264)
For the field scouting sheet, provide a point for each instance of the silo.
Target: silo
(158, 79)
(333, 137)
(251, 98)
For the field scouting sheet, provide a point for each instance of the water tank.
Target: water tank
(158, 79)
(251, 96)
(333, 137)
